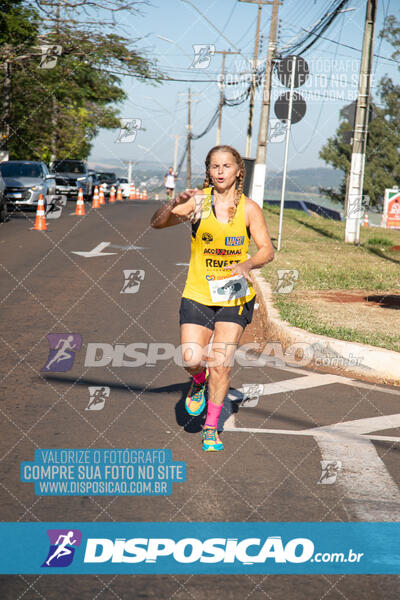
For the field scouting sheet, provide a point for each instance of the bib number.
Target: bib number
(224, 290)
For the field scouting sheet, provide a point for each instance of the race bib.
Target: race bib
(223, 290)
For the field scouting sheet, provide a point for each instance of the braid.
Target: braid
(206, 183)
(238, 195)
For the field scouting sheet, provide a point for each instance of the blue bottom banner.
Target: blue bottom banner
(200, 548)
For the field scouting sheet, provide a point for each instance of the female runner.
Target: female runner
(219, 296)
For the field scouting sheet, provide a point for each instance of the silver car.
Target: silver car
(25, 181)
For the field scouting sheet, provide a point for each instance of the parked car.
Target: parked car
(95, 179)
(3, 201)
(125, 187)
(25, 180)
(107, 180)
(72, 175)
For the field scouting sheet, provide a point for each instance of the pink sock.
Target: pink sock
(213, 412)
(200, 377)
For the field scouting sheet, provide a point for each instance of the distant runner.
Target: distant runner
(169, 182)
(219, 296)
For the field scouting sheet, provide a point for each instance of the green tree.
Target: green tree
(58, 111)
(382, 162)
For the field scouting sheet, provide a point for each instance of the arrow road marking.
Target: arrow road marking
(97, 251)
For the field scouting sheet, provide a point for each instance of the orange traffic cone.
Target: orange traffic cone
(40, 222)
(132, 192)
(112, 195)
(137, 195)
(144, 194)
(80, 205)
(101, 198)
(366, 224)
(119, 194)
(96, 201)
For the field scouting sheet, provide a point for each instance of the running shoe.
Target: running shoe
(211, 441)
(196, 398)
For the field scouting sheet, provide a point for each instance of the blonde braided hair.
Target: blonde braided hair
(239, 181)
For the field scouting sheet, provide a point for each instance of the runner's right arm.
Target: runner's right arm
(176, 211)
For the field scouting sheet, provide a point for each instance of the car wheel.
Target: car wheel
(3, 213)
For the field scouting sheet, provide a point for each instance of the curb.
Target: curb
(328, 354)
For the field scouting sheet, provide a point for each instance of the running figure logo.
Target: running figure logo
(98, 396)
(133, 279)
(251, 394)
(50, 54)
(330, 470)
(277, 131)
(62, 351)
(202, 55)
(128, 131)
(286, 280)
(62, 547)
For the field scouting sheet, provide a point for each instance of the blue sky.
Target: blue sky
(162, 109)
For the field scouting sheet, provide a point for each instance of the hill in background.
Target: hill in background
(151, 173)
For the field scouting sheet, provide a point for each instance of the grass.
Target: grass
(315, 247)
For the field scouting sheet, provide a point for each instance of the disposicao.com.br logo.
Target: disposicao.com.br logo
(200, 547)
(248, 551)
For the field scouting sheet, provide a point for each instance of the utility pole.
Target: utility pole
(176, 152)
(189, 141)
(54, 107)
(260, 167)
(253, 77)
(221, 94)
(188, 138)
(355, 181)
(130, 163)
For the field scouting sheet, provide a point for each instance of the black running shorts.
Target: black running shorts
(191, 311)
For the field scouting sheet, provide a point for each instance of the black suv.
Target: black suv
(107, 180)
(70, 176)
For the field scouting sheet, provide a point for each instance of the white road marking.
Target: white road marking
(128, 247)
(182, 264)
(97, 251)
(366, 486)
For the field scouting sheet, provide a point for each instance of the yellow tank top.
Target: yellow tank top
(215, 245)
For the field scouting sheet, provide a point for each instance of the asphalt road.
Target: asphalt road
(271, 465)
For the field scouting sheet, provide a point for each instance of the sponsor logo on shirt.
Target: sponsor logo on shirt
(236, 240)
(221, 251)
(207, 237)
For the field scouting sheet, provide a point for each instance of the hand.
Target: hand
(185, 196)
(240, 269)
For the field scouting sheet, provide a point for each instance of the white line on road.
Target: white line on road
(366, 485)
(97, 251)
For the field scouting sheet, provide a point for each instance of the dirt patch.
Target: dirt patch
(383, 300)
(366, 312)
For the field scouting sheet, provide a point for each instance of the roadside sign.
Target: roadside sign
(299, 107)
(284, 67)
(391, 209)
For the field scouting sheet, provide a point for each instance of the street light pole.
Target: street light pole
(288, 124)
